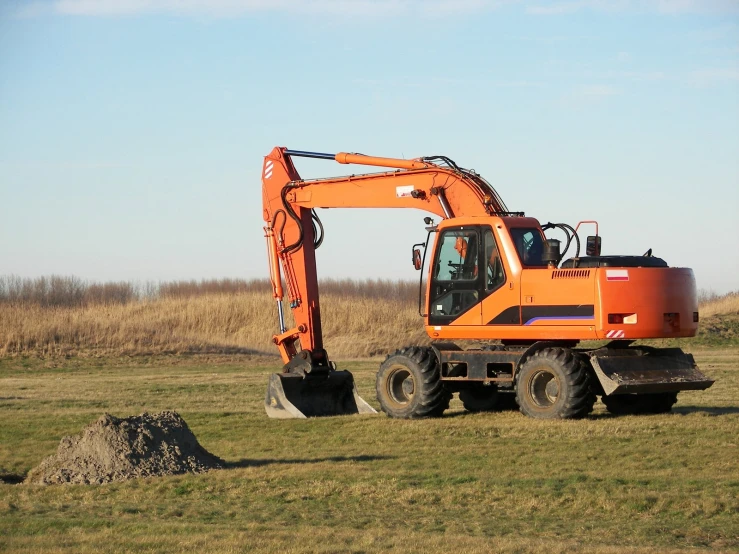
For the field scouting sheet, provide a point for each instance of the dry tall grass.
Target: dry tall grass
(222, 323)
(718, 305)
(63, 316)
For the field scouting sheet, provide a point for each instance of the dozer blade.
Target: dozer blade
(647, 370)
(327, 394)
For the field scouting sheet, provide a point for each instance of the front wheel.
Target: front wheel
(554, 384)
(409, 384)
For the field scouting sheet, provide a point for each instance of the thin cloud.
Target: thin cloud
(717, 33)
(597, 91)
(367, 8)
(667, 7)
(236, 8)
(714, 75)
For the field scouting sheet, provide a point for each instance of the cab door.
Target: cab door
(457, 283)
(501, 303)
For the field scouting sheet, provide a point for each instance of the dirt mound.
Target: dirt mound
(113, 449)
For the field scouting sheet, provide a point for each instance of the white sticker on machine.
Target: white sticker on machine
(617, 274)
(404, 191)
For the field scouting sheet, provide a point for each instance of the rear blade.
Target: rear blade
(326, 394)
(647, 370)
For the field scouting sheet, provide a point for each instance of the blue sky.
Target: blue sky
(132, 131)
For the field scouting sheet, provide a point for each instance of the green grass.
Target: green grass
(465, 482)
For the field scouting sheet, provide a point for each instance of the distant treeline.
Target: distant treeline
(70, 291)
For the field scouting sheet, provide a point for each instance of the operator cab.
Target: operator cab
(468, 266)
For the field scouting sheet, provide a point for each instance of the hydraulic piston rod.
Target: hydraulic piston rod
(361, 159)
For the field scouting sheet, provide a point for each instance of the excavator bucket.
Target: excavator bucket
(325, 394)
(644, 370)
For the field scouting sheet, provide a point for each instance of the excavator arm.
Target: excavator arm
(293, 232)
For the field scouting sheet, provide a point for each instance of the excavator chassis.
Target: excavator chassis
(620, 369)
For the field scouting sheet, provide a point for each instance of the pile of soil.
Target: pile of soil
(113, 449)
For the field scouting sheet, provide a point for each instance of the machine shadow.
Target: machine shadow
(712, 411)
(245, 462)
(707, 410)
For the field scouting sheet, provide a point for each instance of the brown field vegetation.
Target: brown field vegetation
(64, 316)
(50, 317)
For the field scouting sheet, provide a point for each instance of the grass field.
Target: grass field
(495, 482)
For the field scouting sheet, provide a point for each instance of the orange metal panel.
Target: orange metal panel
(650, 293)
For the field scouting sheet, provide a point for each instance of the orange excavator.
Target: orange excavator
(493, 277)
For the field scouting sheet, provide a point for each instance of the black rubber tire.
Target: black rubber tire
(446, 398)
(480, 398)
(554, 383)
(409, 384)
(635, 404)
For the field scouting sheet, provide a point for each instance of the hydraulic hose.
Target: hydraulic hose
(317, 227)
(569, 232)
(289, 209)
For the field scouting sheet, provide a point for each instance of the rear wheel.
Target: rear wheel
(409, 384)
(480, 398)
(554, 383)
(632, 404)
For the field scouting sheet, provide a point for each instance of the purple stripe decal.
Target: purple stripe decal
(560, 317)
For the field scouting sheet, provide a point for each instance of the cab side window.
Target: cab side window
(457, 257)
(494, 275)
(456, 278)
(530, 246)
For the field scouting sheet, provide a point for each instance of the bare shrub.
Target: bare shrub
(707, 295)
(187, 289)
(110, 293)
(386, 289)
(54, 290)
(716, 305)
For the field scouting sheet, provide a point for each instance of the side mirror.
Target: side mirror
(592, 246)
(417, 260)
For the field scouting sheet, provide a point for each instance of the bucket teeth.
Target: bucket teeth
(292, 396)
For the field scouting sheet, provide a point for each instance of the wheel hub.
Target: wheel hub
(401, 386)
(544, 389)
